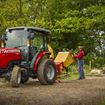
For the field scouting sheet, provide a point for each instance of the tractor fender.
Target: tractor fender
(38, 58)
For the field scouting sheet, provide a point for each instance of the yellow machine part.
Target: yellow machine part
(65, 57)
(51, 51)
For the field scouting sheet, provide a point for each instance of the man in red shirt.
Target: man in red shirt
(80, 62)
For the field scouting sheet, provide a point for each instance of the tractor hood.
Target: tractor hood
(8, 55)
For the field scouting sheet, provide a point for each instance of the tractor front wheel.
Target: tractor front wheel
(47, 72)
(24, 75)
(15, 76)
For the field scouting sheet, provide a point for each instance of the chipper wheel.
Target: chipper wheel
(15, 76)
(47, 72)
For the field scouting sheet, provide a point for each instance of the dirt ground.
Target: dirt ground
(89, 91)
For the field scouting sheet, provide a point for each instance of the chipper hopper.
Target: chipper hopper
(63, 60)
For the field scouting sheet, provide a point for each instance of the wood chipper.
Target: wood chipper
(24, 53)
(63, 60)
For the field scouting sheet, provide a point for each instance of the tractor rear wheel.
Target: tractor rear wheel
(47, 72)
(15, 77)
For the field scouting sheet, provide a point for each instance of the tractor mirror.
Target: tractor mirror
(4, 37)
(31, 36)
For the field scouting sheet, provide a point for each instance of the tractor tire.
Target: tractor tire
(15, 77)
(24, 75)
(47, 72)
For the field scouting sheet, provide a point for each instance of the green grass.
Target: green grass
(4, 83)
(72, 76)
(103, 102)
(73, 72)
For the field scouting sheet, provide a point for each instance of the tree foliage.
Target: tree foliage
(72, 22)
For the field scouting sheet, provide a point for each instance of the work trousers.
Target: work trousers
(80, 68)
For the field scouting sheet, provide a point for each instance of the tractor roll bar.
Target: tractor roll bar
(41, 30)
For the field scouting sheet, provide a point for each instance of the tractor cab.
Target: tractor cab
(24, 53)
(29, 40)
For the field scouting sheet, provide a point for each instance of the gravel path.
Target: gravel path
(71, 92)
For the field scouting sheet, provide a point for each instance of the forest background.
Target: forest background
(72, 23)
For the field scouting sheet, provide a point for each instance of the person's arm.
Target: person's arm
(79, 55)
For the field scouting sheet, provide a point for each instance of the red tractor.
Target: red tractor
(24, 53)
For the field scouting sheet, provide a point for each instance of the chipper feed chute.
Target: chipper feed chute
(63, 59)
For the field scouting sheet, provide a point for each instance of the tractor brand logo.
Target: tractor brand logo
(9, 51)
